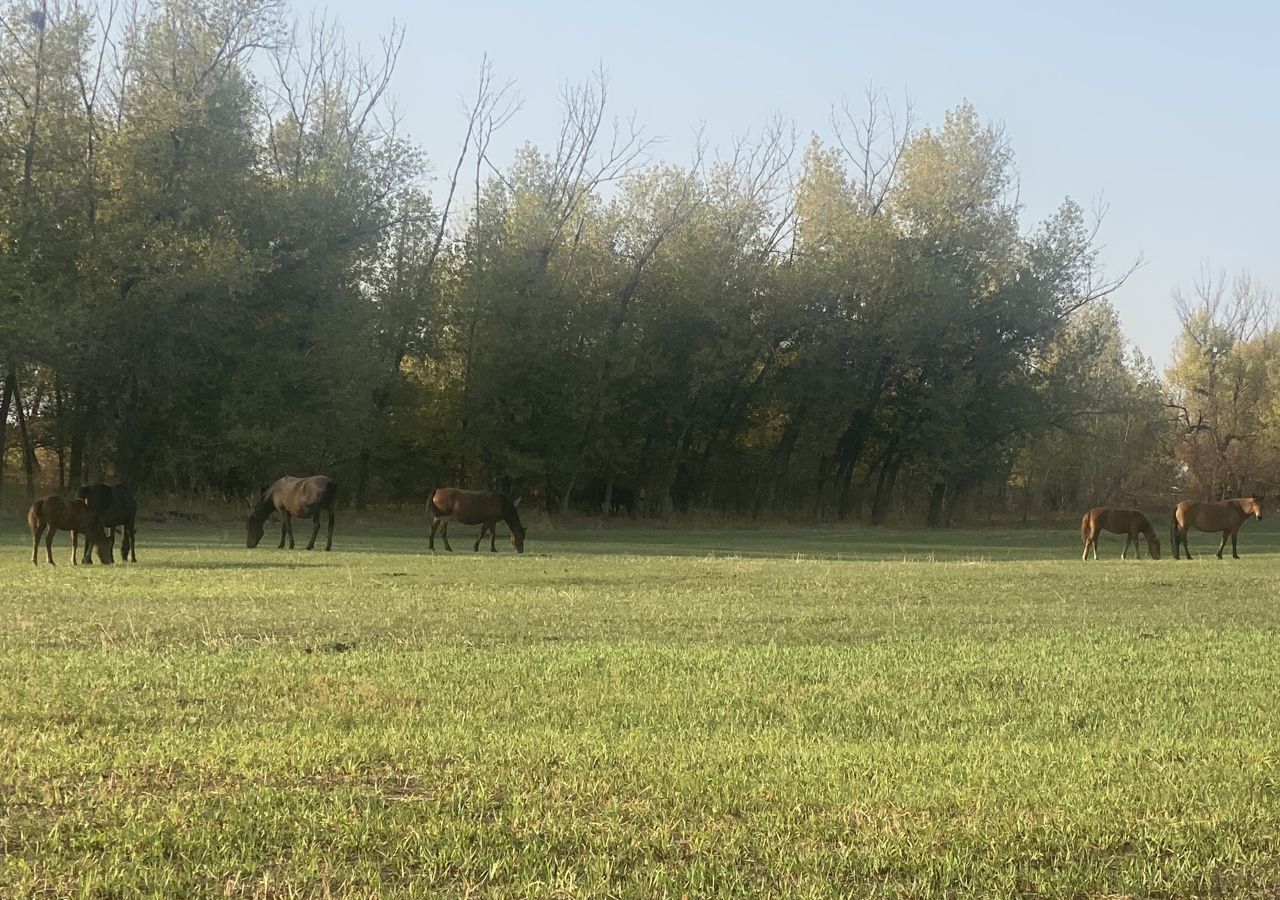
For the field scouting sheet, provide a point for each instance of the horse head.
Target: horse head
(1153, 544)
(517, 538)
(1257, 506)
(254, 529)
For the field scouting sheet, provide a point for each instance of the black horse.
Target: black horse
(305, 498)
(115, 507)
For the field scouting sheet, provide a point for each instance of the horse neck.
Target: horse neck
(1242, 507)
(510, 515)
(263, 508)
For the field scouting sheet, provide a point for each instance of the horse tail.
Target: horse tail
(1173, 530)
(330, 494)
(431, 504)
(35, 514)
(1084, 527)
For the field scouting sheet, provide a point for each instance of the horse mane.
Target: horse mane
(510, 513)
(262, 507)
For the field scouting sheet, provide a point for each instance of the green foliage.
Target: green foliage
(217, 276)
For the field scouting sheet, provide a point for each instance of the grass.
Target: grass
(640, 713)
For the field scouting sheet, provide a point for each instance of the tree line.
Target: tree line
(221, 261)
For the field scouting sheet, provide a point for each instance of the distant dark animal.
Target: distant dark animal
(115, 507)
(1226, 516)
(48, 514)
(1128, 522)
(483, 508)
(622, 500)
(597, 497)
(305, 498)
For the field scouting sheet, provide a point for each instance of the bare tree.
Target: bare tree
(873, 142)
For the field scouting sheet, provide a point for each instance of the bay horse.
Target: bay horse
(483, 508)
(305, 498)
(1226, 516)
(115, 507)
(48, 514)
(1129, 522)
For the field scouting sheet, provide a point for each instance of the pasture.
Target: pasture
(641, 713)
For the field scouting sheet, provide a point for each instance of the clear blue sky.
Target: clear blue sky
(1170, 111)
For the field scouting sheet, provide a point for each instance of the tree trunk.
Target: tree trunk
(28, 452)
(884, 491)
(767, 489)
(849, 450)
(5, 401)
(81, 413)
(937, 496)
(663, 504)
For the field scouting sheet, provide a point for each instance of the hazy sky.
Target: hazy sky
(1170, 112)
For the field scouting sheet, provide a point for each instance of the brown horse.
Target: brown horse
(48, 514)
(305, 498)
(483, 508)
(1226, 516)
(1129, 522)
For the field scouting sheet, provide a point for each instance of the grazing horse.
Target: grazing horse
(483, 508)
(54, 512)
(1226, 516)
(115, 507)
(1128, 522)
(305, 498)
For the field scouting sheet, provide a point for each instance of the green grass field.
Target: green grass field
(790, 713)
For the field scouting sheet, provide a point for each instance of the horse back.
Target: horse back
(114, 504)
(304, 497)
(1118, 520)
(468, 507)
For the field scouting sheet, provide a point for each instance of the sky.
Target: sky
(1165, 112)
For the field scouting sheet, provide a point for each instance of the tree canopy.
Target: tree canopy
(220, 261)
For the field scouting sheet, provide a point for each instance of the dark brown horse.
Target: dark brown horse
(305, 498)
(483, 508)
(48, 514)
(115, 507)
(1129, 522)
(1226, 516)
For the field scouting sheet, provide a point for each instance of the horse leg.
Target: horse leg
(48, 543)
(35, 543)
(1234, 535)
(1124, 554)
(1186, 540)
(431, 541)
(88, 547)
(493, 534)
(131, 534)
(284, 532)
(315, 531)
(328, 543)
(483, 527)
(1223, 545)
(75, 546)
(444, 535)
(288, 523)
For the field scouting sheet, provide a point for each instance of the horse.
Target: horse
(114, 506)
(483, 508)
(305, 498)
(1226, 516)
(1129, 522)
(52, 513)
